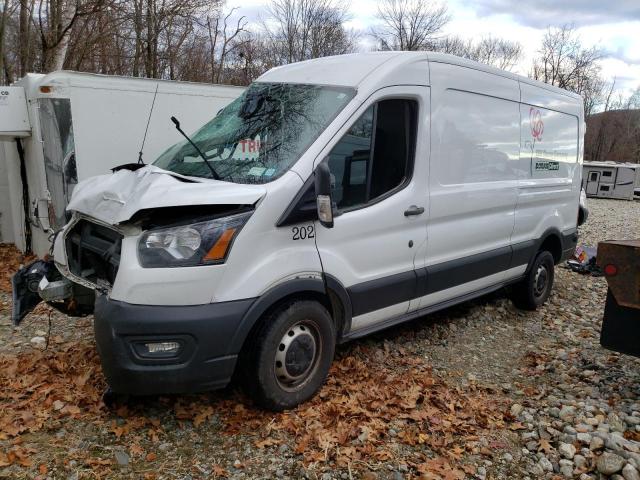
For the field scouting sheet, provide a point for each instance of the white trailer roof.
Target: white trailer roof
(612, 164)
(64, 79)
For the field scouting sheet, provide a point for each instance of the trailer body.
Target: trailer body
(61, 128)
(611, 179)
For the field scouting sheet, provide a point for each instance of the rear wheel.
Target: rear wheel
(535, 288)
(288, 359)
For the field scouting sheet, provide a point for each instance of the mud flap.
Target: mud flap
(24, 285)
(620, 327)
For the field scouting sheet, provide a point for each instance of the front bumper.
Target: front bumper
(205, 361)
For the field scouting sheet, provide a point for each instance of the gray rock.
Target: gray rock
(122, 458)
(516, 409)
(580, 461)
(609, 463)
(481, 473)
(536, 470)
(629, 472)
(570, 430)
(546, 465)
(615, 422)
(567, 450)
(567, 413)
(596, 443)
(584, 438)
(566, 468)
(38, 341)
(163, 447)
(566, 438)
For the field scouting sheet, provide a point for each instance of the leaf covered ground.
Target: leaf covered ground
(431, 399)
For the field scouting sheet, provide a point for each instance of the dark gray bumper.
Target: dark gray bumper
(207, 357)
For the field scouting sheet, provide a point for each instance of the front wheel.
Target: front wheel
(535, 288)
(289, 357)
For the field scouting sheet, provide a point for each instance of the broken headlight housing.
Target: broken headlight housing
(202, 243)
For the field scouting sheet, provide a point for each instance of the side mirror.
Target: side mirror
(324, 203)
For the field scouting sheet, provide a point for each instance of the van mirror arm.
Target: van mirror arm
(324, 202)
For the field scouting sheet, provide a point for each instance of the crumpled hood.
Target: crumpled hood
(115, 198)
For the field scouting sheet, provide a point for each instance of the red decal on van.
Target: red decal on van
(537, 125)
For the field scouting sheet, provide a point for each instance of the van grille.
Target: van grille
(93, 252)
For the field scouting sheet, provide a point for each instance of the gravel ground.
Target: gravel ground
(549, 401)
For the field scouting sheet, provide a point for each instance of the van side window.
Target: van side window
(376, 155)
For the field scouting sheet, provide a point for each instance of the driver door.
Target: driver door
(379, 166)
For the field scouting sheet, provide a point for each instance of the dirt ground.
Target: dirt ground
(480, 390)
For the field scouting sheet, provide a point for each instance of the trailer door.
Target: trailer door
(592, 183)
(59, 155)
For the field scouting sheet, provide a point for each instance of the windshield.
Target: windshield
(258, 136)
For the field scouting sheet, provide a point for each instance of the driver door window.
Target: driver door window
(375, 157)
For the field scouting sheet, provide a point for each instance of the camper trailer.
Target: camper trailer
(61, 128)
(611, 179)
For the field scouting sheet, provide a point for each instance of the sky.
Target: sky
(611, 25)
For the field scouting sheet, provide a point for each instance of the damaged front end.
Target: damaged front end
(41, 281)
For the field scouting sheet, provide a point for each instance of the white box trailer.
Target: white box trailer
(63, 127)
(611, 179)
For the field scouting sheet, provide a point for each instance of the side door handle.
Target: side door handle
(413, 210)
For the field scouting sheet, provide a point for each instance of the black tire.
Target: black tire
(536, 287)
(278, 376)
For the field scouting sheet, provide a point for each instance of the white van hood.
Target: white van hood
(115, 198)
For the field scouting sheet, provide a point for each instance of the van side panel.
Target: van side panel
(549, 168)
(474, 151)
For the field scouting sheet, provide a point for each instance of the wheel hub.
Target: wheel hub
(295, 355)
(540, 280)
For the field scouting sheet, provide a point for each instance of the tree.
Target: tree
(614, 133)
(497, 52)
(564, 62)
(409, 24)
(303, 29)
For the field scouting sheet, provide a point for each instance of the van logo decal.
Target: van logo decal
(537, 125)
(550, 165)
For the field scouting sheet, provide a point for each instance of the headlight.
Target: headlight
(203, 243)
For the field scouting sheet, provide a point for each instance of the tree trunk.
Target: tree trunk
(59, 53)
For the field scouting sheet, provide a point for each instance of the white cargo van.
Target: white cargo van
(339, 196)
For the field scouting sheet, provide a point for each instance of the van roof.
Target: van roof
(351, 70)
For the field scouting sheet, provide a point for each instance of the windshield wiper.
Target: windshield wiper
(213, 171)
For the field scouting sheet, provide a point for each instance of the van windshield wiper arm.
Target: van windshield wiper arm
(213, 170)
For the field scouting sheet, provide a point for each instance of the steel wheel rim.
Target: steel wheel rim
(540, 281)
(297, 355)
